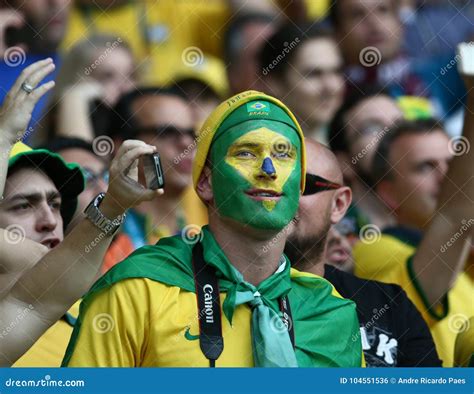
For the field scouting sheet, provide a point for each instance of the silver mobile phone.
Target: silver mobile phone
(154, 176)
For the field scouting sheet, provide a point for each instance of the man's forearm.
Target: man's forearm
(63, 275)
(438, 260)
(457, 192)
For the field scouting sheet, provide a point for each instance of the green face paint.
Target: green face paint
(256, 174)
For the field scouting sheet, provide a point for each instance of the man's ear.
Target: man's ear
(384, 190)
(204, 186)
(340, 203)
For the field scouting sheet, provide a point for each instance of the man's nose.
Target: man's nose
(267, 168)
(46, 219)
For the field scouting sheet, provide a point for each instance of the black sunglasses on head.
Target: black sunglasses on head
(316, 184)
(166, 131)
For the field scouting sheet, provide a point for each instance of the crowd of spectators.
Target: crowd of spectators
(385, 102)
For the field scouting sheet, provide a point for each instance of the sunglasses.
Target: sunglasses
(166, 131)
(316, 184)
(92, 177)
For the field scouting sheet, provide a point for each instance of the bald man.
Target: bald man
(392, 331)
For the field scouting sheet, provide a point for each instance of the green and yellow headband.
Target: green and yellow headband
(243, 107)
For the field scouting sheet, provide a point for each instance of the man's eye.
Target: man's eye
(55, 204)
(426, 167)
(245, 154)
(282, 155)
(22, 207)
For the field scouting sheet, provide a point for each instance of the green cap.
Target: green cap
(67, 177)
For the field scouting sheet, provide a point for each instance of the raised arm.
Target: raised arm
(63, 275)
(15, 113)
(438, 260)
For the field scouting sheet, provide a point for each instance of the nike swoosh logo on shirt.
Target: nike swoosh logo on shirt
(189, 336)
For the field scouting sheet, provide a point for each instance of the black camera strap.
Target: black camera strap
(209, 308)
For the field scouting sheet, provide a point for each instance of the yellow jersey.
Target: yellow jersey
(49, 349)
(160, 33)
(389, 260)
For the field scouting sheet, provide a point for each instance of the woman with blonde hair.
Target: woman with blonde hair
(93, 75)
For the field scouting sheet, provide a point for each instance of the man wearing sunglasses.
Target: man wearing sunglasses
(392, 331)
(94, 168)
(163, 118)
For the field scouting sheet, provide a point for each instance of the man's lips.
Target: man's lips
(50, 242)
(263, 194)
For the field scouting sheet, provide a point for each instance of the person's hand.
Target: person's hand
(8, 18)
(466, 64)
(15, 114)
(124, 189)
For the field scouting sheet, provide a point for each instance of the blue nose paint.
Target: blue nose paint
(267, 166)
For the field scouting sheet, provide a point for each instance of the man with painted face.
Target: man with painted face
(143, 312)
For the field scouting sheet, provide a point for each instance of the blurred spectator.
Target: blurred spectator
(244, 37)
(427, 251)
(294, 10)
(409, 167)
(370, 35)
(30, 31)
(302, 65)
(93, 75)
(356, 129)
(161, 34)
(392, 331)
(435, 27)
(94, 167)
(339, 250)
(204, 84)
(163, 118)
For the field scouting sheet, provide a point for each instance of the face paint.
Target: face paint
(256, 174)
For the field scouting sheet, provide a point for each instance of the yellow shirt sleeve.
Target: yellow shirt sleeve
(374, 260)
(114, 328)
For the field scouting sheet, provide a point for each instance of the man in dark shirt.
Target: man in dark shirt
(392, 331)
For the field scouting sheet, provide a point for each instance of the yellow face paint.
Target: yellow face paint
(265, 159)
